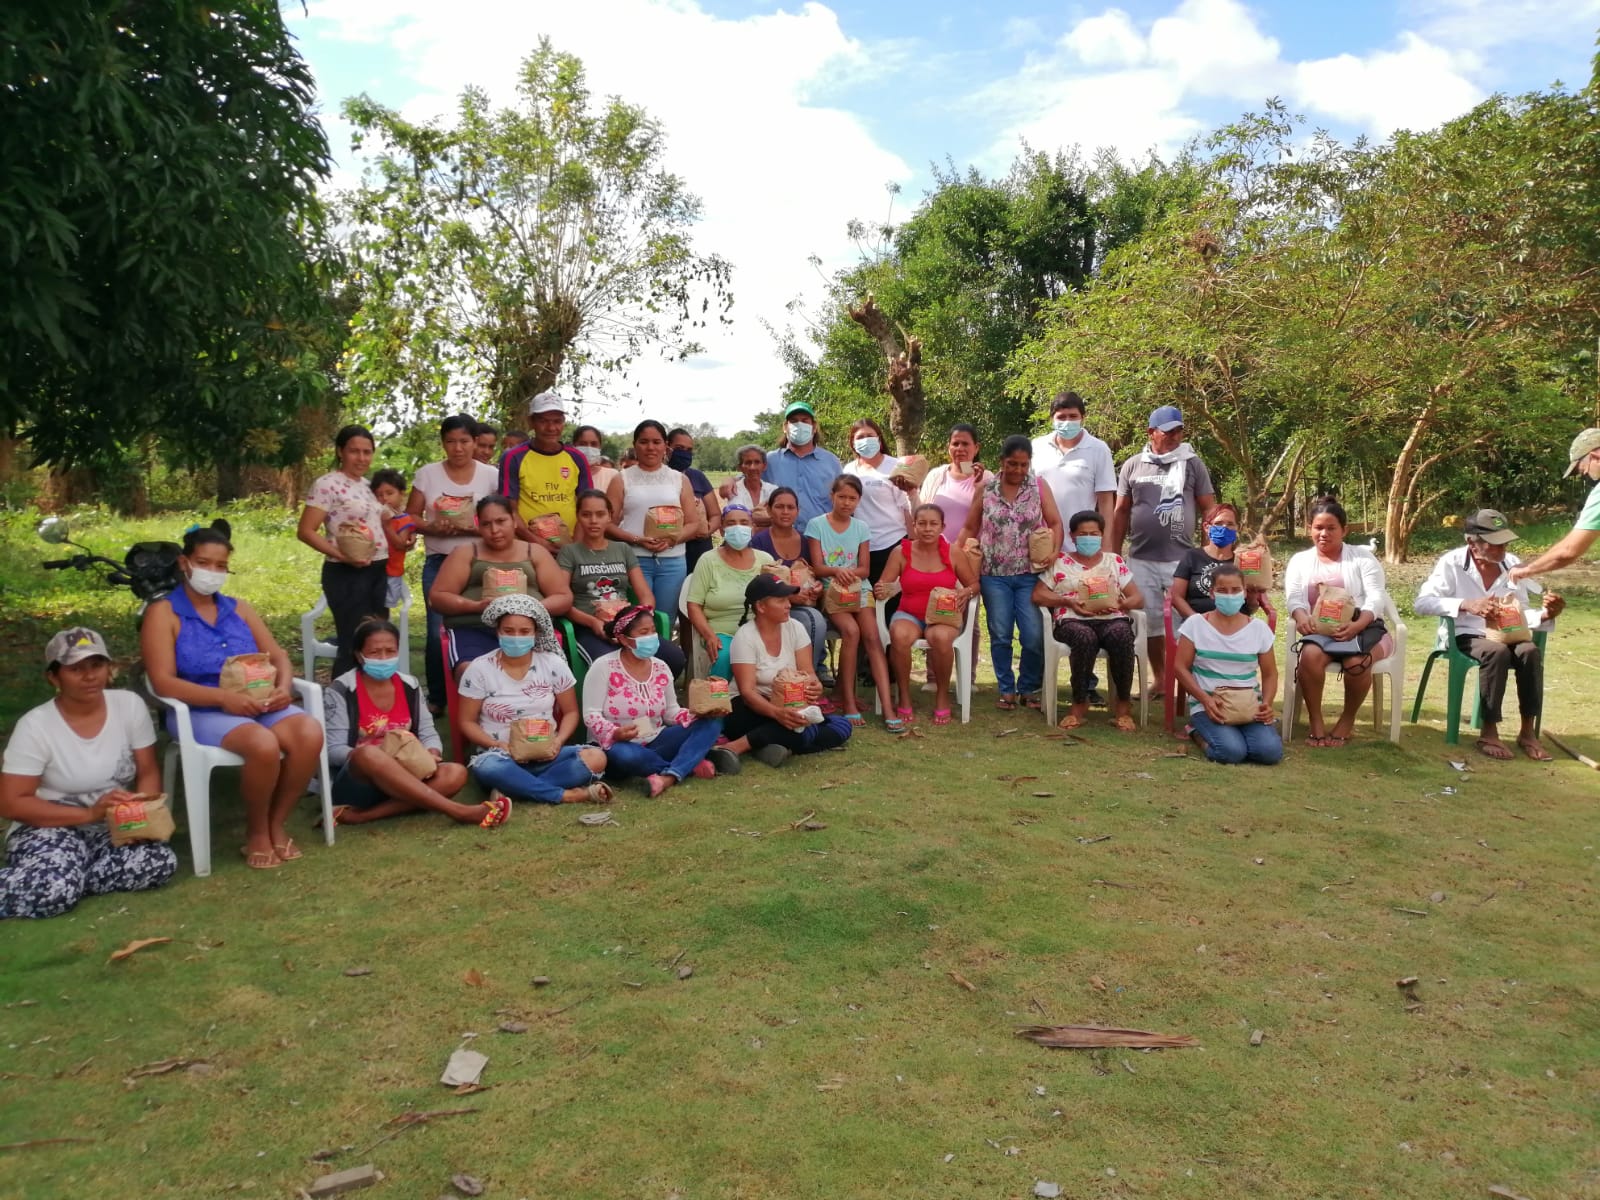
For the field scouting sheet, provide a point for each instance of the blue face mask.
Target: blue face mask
(1222, 537)
(799, 433)
(737, 537)
(379, 668)
(646, 646)
(679, 460)
(515, 647)
(868, 447)
(1088, 544)
(1068, 429)
(1229, 604)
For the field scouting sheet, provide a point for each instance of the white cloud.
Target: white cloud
(1485, 24)
(745, 107)
(1109, 40)
(1216, 49)
(1416, 86)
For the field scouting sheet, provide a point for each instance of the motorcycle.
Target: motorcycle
(148, 569)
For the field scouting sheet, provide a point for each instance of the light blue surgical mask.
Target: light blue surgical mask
(1068, 429)
(516, 647)
(1088, 544)
(646, 646)
(737, 537)
(868, 447)
(379, 668)
(799, 433)
(1229, 604)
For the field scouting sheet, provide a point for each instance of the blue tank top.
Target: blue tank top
(202, 648)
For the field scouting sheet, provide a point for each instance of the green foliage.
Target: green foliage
(520, 249)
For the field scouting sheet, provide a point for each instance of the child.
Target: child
(389, 486)
(1221, 651)
(839, 547)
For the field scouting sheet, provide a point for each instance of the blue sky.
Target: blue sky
(790, 120)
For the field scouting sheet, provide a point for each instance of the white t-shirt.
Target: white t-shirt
(1074, 476)
(76, 770)
(1228, 660)
(747, 647)
(883, 506)
(432, 481)
(506, 699)
(643, 490)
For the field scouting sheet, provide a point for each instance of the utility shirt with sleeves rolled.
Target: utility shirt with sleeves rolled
(953, 494)
(643, 490)
(884, 507)
(1455, 578)
(506, 699)
(810, 475)
(746, 646)
(719, 589)
(543, 483)
(345, 500)
(341, 705)
(613, 698)
(1225, 660)
(433, 482)
(1066, 573)
(75, 770)
(1075, 474)
(1359, 569)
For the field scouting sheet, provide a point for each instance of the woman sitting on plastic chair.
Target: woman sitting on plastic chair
(1086, 633)
(1219, 654)
(919, 564)
(185, 641)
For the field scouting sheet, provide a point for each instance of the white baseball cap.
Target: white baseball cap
(546, 402)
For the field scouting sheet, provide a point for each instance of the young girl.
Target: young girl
(399, 527)
(839, 547)
(1215, 650)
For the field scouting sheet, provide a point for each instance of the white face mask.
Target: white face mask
(207, 583)
(868, 447)
(592, 453)
(800, 433)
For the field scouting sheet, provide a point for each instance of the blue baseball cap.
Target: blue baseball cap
(1166, 419)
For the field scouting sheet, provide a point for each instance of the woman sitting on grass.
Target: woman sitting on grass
(185, 641)
(526, 678)
(918, 565)
(634, 716)
(1219, 654)
(362, 707)
(67, 763)
(1084, 633)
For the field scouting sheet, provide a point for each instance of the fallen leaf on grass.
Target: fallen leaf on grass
(685, 972)
(913, 732)
(963, 981)
(1006, 733)
(473, 978)
(1042, 795)
(470, 1089)
(357, 972)
(165, 1067)
(467, 1185)
(831, 1085)
(1097, 983)
(1095, 1037)
(59, 1141)
(599, 818)
(1024, 779)
(1505, 1193)
(1089, 841)
(135, 946)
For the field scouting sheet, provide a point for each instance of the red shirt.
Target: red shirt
(373, 722)
(916, 586)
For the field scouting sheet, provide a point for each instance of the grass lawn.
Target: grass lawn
(822, 1046)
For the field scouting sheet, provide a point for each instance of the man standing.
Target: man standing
(543, 476)
(803, 465)
(1076, 466)
(1583, 458)
(1468, 585)
(1164, 494)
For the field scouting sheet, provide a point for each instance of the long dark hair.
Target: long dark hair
(218, 533)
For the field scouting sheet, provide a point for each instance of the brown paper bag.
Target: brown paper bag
(1255, 564)
(1041, 547)
(663, 521)
(1097, 591)
(504, 581)
(709, 697)
(1334, 607)
(460, 511)
(913, 467)
(974, 553)
(552, 528)
(402, 746)
(944, 608)
(142, 819)
(1507, 624)
(856, 598)
(604, 610)
(1239, 705)
(789, 689)
(249, 675)
(355, 542)
(533, 739)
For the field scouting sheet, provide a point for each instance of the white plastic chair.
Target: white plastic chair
(312, 647)
(199, 761)
(963, 651)
(1054, 652)
(1393, 668)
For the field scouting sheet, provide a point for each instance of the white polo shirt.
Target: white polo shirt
(1074, 476)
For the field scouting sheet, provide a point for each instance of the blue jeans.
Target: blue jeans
(1008, 604)
(676, 751)
(433, 646)
(1254, 742)
(541, 782)
(665, 577)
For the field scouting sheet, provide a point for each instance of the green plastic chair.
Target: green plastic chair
(1444, 646)
(575, 660)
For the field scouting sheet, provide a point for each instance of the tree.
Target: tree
(161, 161)
(519, 249)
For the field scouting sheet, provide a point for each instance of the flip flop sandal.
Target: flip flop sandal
(601, 793)
(1498, 753)
(827, 706)
(856, 720)
(905, 714)
(1032, 701)
(1534, 750)
(287, 851)
(941, 716)
(1124, 725)
(1006, 704)
(1071, 721)
(894, 724)
(259, 860)
(499, 812)
(338, 810)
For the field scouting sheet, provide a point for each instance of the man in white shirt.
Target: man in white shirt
(1075, 465)
(1468, 585)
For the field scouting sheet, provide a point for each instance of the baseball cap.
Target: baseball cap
(765, 587)
(73, 646)
(1490, 525)
(1585, 444)
(1166, 419)
(799, 406)
(546, 402)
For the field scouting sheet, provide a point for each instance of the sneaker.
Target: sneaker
(704, 770)
(773, 755)
(725, 761)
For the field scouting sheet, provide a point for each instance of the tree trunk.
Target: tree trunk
(1396, 534)
(907, 406)
(230, 480)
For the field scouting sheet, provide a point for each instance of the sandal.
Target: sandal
(600, 793)
(338, 812)
(1495, 750)
(1071, 721)
(906, 715)
(894, 724)
(827, 706)
(259, 860)
(1032, 701)
(1124, 725)
(499, 811)
(941, 716)
(286, 851)
(1532, 748)
(1006, 703)
(857, 721)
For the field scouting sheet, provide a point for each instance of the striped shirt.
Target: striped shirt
(1225, 660)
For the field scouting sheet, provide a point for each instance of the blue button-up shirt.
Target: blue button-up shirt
(810, 475)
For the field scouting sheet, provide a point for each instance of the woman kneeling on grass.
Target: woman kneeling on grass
(363, 706)
(634, 716)
(1219, 652)
(919, 564)
(766, 643)
(526, 678)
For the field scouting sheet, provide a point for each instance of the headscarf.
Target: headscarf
(619, 623)
(544, 630)
(735, 506)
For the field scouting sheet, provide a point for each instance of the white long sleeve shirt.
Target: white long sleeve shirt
(1361, 572)
(1455, 578)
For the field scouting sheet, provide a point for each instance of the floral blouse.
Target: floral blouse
(345, 499)
(1003, 531)
(613, 698)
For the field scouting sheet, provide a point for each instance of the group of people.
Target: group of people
(809, 546)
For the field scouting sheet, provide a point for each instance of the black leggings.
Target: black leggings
(764, 731)
(353, 594)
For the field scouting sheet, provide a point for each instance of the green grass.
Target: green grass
(821, 1048)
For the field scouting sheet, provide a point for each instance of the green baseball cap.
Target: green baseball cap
(1585, 444)
(1490, 525)
(800, 406)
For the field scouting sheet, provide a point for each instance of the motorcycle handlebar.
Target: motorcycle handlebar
(57, 565)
